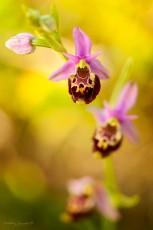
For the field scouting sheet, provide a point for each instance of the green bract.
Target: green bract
(46, 28)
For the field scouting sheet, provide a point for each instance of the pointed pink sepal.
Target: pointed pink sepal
(130, 131)
(105, 206)
(127, 97)
(63, 72)
(98, 69)
(99, 114)
(82, 42)
(71, 57)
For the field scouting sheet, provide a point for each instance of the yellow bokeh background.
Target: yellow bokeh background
(45, 138)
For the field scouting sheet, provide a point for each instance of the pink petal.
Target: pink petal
(127, 97)
(105, 206)
(82, 42)
(98, 69)
(99, 114)
(71, 57)
(93, 56)
(63, 72)
(130, 131)
(107, 106)
(78, 186)
(129, 117)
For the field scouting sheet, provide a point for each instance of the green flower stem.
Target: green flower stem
(40, 42)
(111, 185)
(108, 165)
(61, 55)
(110, 180)
(109, 171)
(43, 43)
(108, 225)
(118, 199)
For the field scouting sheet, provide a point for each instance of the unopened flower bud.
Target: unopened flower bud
(21, 43)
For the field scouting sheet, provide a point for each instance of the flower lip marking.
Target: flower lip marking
(82, 72)
(83, 69)
(80, 206)
(83, 85)
(107, 137)
(85, 197)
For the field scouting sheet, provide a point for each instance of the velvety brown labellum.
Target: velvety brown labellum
(107, 138)
(83, 86)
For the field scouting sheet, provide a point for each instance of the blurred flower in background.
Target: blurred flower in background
(114, 122)
(41, 127)
(87, 196)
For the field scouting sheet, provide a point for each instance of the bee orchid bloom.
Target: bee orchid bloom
(86, 197)
(20, 44)
(83, 70)
(114, 122)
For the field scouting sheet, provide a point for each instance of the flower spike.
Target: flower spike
(82, 70)
(87, 196)
(115, 122)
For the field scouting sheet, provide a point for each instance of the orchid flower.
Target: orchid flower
(21, 44)
(86, 197)
(83, 70)
(114, 122)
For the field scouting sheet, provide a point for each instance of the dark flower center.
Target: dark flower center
(108, 137)
(83, 72)
(108, 131)
(80, 206)
(84, 86)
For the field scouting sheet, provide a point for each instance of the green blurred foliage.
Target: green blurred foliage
(45, 139)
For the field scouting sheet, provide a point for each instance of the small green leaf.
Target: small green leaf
(52, 42)
(55, 45)
(122, 201)
(56, 36)
(54, 14)
(46, 28)
(128, 202)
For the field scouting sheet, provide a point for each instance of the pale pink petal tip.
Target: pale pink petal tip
(78, 186)
(99, 69)
(82, 42)
(99, 114)
(63, 72)
(105, 205)
(130, 131)
(127, 97)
